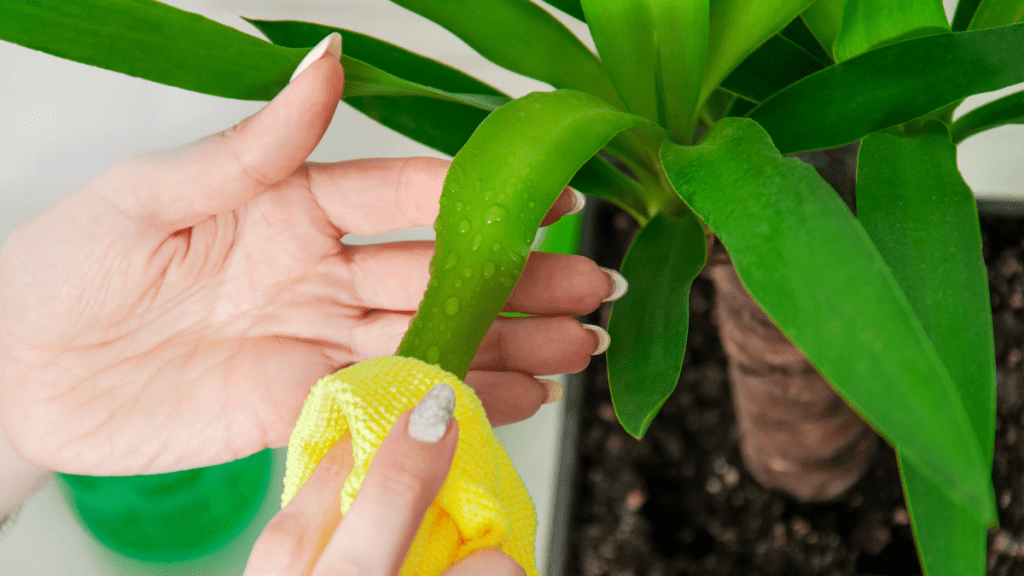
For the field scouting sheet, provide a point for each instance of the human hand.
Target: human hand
(309, 535)
(174, 312)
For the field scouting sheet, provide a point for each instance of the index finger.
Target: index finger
(373, 196)
(403, 480)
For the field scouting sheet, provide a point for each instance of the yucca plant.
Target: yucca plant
(682, 119)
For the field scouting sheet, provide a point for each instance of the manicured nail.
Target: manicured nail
(621, 285)
(554, 390)
(603, 339)
(579, 201)
(331, 44)
(430, 417)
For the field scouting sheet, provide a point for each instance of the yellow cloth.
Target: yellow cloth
(482, 504)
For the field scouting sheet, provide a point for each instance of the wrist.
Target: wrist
(18, 478)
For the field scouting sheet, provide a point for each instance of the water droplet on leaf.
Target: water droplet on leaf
(451, 306)
(495, 213)
(433, 354)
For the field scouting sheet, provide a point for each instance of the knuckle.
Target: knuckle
(418, 187)
(279, 547)
(401, 482)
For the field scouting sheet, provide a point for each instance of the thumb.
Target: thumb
(222, 172)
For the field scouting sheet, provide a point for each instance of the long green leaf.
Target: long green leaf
(824, 18)
(798, 32)
(964, 13)
(950, 539)
(923, 218)
(153, 41)
(497, 191)
(378, 53)
(570, 7)
(654, 52)
(399, 72)
(522, 37)
(362, 79)
(808, 262)
(624, 35)
(778, 63)
(649, 324)
(738, 27)
(1007, 110)
(681, 30)
(890, 86)
(994, 13)
(868, 24)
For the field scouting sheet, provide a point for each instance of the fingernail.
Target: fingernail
(429, 419)
(554, 389)
(621, 285)
(603, 339)
(331, 44)
(578, 202)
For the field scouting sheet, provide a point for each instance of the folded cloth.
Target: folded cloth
(483, 502)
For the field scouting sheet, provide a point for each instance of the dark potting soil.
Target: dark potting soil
(679, 502)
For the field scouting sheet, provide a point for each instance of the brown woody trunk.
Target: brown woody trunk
(796, 434)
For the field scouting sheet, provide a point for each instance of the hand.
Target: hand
(309, 536)
(174, 312)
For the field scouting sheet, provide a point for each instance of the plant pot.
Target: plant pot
(681, 500)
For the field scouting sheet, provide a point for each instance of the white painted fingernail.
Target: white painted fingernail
(331, 44)
(429, 419)
(621, 285)
(554, 390)
(603, 339)
(579, 201)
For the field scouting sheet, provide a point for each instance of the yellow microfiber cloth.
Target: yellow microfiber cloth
(483, 502)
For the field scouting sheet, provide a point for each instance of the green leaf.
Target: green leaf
(378, 53)
(153, 41)
(994, 13)
(890, 86)
(778, 63)
(738, 27)
(964, 13)
(868, 24)
(654, 52)
(824, 18)
(950, 539)
(807, 261)
(1007, 110)
(624, 35)
(522, 37)
(798, 32)
(923, 218)
(570, 7)
(649, 324)
(500, 186)
(364, 78)
(681, 33)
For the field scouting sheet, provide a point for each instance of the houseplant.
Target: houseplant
(681, 123)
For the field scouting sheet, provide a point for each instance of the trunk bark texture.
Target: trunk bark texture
(796, 434)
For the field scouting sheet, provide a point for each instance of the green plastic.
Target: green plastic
(175, 516)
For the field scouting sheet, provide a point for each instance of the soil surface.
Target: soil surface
(679, 502)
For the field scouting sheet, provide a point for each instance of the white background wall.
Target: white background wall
(62, 123)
